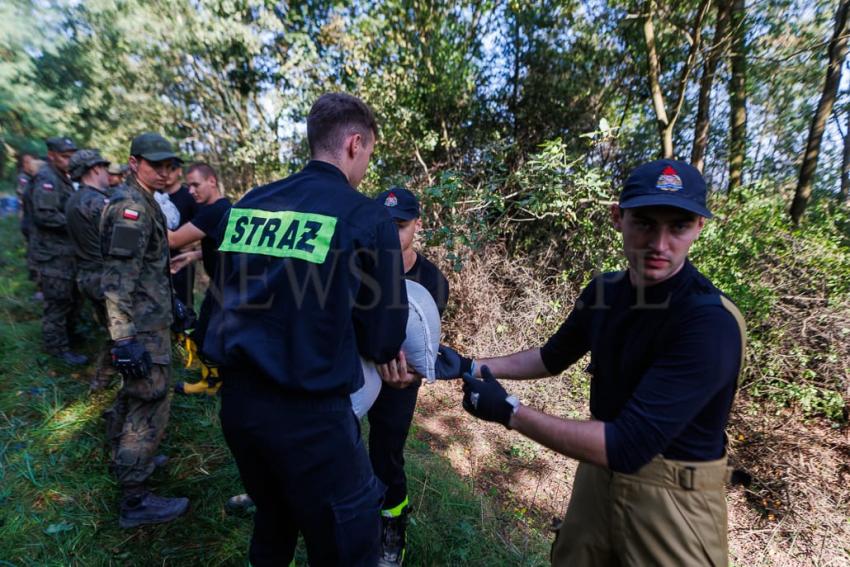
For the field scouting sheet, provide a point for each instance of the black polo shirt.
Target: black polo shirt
(663, 375)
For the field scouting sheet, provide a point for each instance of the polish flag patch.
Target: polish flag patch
(47, 186)
(131, 214)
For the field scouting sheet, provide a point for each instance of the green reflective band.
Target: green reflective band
(395, 511)
(284, 234)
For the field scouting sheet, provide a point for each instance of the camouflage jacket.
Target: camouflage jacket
(136, 279)
(82, 213)
(51, 245)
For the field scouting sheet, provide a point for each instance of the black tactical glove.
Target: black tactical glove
(452, 365)
(486, 399)
(131, 359)
(184, 316)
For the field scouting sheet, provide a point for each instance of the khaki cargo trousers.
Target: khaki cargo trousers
(668, 513)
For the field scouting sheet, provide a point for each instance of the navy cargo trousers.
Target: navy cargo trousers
(304, 464)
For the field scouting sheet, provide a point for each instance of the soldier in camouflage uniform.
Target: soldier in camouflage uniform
(52, 250)
(82, 214)
(137, 286)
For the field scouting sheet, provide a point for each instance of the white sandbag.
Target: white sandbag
(423, 331)
(169, 209)
(362, 399)
(420, 347)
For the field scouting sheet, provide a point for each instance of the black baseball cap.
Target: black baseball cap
(400, 203)
(60, 144)
(152, 147)
(666, 182)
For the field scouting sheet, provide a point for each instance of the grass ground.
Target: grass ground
(58, 502)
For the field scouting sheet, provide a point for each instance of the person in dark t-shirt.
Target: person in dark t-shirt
(178, 193)
(202, 182)
(666, 347)
(392, 413)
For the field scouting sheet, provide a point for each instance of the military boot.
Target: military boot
(148, 508)
(393, 538)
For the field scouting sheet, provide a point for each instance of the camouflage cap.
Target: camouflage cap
(117, 169)
(60, 144)
(152, 147)
(84, 160)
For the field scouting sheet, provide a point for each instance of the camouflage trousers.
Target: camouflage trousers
(137, 420)
(61, 302)
(88, 282)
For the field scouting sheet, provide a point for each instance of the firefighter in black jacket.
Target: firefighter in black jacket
(311, 275)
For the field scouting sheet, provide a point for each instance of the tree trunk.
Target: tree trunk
(738, 95)
(837, 51)
(665, 123)
(845, 166)
(654, 72)
(703, 120)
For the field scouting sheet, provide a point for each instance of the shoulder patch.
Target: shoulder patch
(124, 241)
(47, 186)
(283, 234)
(131, 214)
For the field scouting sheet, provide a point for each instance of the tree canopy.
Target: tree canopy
(731, 84)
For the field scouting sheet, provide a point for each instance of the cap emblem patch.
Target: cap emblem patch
(669, 180)
(391, 200)
(131, 214)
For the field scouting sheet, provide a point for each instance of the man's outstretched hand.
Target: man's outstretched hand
(486, 399)
(396, 374)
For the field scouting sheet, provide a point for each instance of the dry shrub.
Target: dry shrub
(498, 306)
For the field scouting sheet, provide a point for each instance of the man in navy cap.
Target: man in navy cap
(666, 347)
(391, 415)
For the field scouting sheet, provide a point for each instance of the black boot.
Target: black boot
(393, 539)
(148, 508)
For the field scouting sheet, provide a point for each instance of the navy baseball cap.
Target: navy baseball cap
(400, 203)
(666, 182)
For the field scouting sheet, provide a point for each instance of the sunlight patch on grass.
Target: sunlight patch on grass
(68, 422)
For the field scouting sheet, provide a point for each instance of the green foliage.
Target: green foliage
(812, 400)
(750, 248)
(780, 276)
(561, 203)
